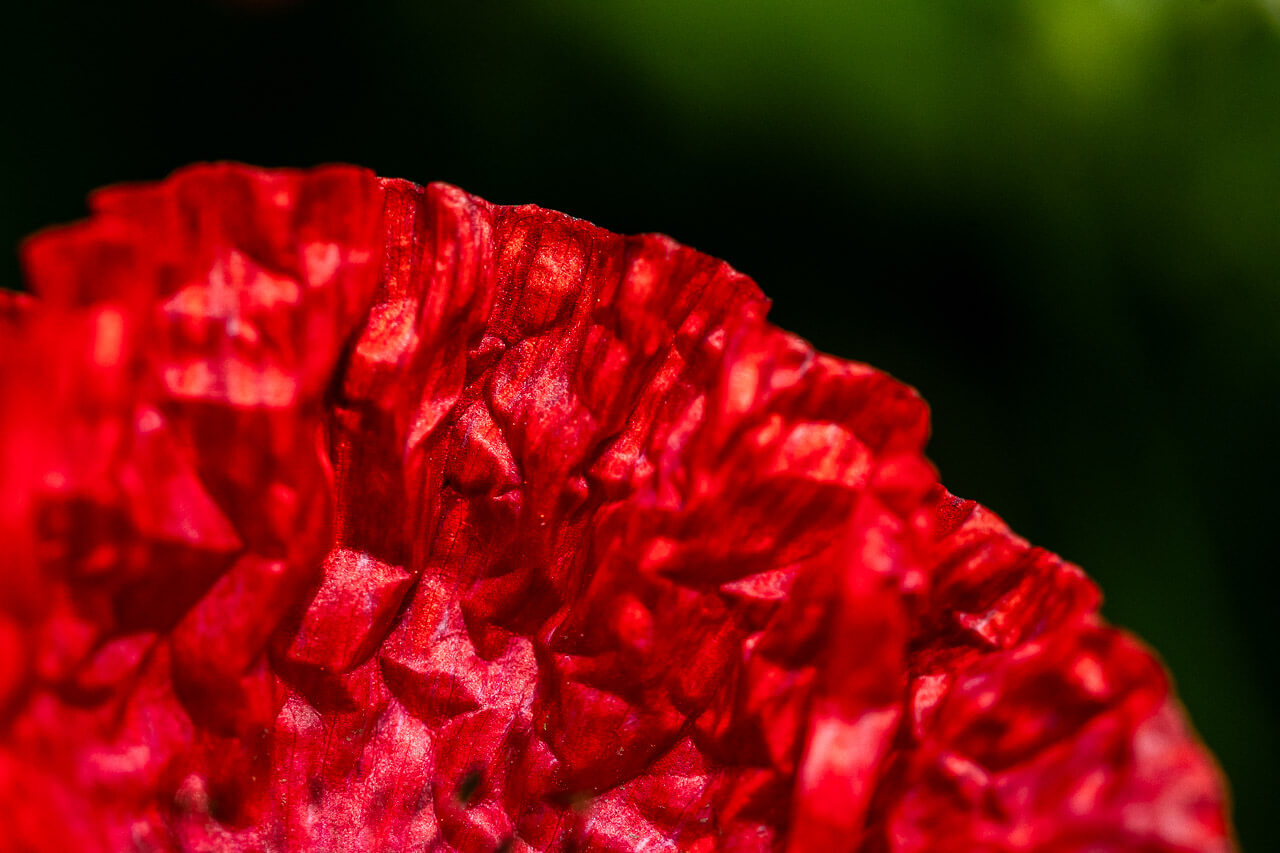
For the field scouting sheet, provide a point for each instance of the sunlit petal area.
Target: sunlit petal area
(359, 515)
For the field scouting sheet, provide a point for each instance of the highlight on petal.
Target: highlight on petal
(349, 514)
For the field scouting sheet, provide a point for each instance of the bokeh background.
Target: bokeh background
(1059, 219)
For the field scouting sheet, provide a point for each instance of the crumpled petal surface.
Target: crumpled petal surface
(344, 514)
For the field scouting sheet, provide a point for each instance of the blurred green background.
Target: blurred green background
(1059, 219)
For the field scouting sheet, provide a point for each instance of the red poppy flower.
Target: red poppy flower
(344, 514)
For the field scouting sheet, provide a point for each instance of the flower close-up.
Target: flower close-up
(346, 514)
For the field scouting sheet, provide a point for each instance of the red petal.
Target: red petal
(347, 514)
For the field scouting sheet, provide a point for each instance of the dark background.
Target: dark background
(1059, 219)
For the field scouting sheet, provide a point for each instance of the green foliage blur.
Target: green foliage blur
(1059, 219)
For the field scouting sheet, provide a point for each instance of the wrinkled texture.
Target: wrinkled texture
(343, 514)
